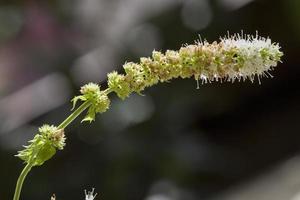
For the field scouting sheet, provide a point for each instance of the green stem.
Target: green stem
(63, 125)
(75, 114)
(20, 181)
(108, 90)
(78, 111)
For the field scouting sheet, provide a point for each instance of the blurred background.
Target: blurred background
(226, 141)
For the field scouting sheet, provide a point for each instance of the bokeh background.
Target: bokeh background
(226, 141)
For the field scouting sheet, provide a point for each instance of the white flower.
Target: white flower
(259, 55)
(90, 195)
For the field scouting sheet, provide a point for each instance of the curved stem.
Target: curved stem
(75, 114)
(78, 111)
(20, 181)
(63, 125)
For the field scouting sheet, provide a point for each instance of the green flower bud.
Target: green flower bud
(43, 146)
(135, 76)
(98, 99)
(150, 76)
(117, 83)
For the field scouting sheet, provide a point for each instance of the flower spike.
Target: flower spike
(237, 57)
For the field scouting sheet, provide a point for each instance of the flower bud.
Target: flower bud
(43, 146)
(98, 99)
(117, 83)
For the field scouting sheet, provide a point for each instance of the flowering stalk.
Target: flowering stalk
(238, 57)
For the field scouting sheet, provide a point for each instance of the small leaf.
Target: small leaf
(75, 99)
(91, 114)
(87, 119)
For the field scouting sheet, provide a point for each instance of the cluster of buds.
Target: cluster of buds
(43, 146)
(98, 99)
